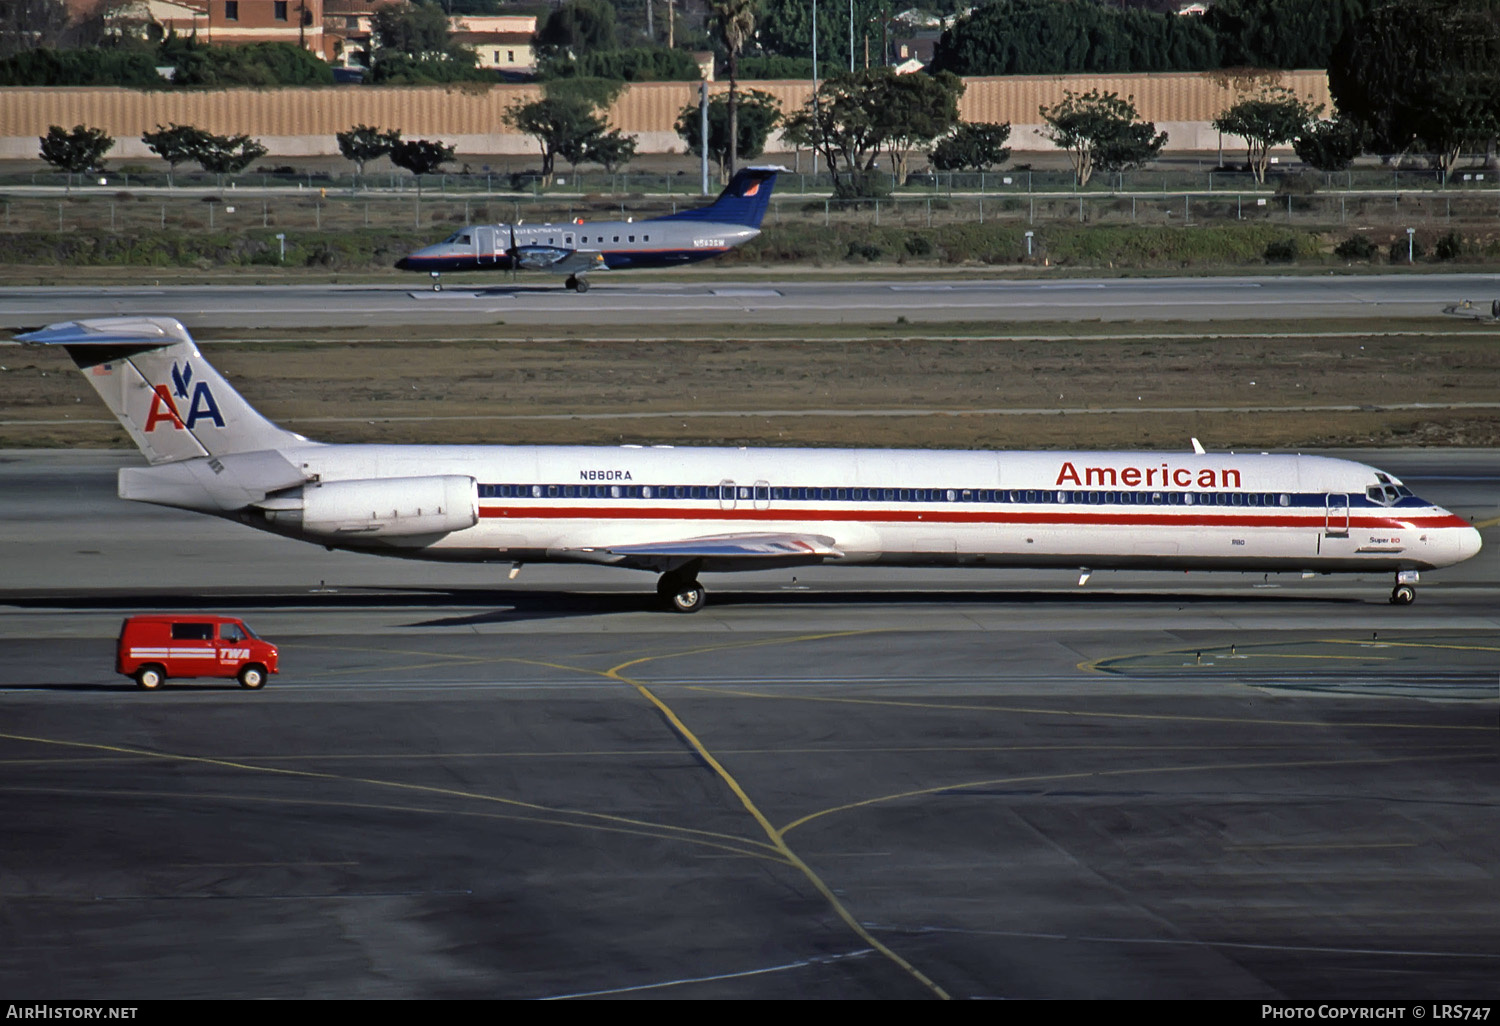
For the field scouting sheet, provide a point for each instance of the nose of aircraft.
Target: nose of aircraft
(1468, 543)
(403, 265)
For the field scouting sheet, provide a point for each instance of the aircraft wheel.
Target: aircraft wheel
(149, 678)
(1403, 595)
(688, 598)
(582, 286)
(572, 283)
(253, 677)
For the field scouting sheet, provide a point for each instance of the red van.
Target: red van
(153, 648)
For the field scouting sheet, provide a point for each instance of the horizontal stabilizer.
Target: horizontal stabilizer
(144, 332)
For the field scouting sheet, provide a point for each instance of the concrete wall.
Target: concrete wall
(302, 122)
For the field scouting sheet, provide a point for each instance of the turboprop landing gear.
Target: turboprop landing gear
(437, 285)
(577, 284)
(681, 589)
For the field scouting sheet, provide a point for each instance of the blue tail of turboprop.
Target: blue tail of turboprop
(743, 200)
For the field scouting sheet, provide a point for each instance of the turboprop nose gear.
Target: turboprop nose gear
(681, 589)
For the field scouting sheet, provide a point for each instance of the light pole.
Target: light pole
(1410, 245)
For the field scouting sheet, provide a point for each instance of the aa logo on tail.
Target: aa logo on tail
(164, 407)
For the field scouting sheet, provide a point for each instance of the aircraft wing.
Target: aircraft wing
(559, 260)
(580, 261)
(721, 552)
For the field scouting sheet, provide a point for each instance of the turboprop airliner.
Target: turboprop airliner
(580, 247)
(679, 512)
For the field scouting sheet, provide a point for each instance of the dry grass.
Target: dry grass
(947, 392)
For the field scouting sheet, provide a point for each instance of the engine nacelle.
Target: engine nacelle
(387, 507)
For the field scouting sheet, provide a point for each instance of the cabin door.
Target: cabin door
(484, 244)
(1336, 515)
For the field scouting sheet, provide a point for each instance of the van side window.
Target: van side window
(192, 632)
(229, 632)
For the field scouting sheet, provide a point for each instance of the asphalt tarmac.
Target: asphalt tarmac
(618, 301)
(829, 783)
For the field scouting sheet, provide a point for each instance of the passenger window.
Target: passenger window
(229, 632)
(192, 632)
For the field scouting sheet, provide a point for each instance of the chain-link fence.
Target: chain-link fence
(119, 211)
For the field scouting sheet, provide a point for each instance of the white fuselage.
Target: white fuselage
(1095, 510)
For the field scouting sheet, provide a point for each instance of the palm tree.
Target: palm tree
(734, 23)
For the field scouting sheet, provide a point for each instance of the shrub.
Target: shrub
(1356, 247)
(1282, 251)
(1398, 251)
(1449, 247)
(1298, 183)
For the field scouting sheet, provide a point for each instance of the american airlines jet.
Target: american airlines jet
(576, 248)
(680, 512)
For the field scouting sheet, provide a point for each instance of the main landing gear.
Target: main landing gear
(577, 283)
(681, 589)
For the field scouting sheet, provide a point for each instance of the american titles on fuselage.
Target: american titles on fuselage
(1131, 477)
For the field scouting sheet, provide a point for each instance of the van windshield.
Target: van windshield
(246, 628)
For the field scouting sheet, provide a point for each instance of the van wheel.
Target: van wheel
(149, 678)
(252, 677)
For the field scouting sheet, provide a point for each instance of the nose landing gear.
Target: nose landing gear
(1405, 592)
(437, 285)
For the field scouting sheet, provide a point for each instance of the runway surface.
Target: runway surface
(855, 783)
(618, 301)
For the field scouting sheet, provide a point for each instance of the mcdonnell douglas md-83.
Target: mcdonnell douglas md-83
(580, 247)
(678, 512)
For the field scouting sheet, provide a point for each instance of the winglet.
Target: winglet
(1198, 448)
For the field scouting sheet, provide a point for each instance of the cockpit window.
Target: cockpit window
(462, 238)
(1386, 494)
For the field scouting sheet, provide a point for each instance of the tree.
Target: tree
(842, 123)
(28, 24)
(1044, 37)
(227, 154)
(1273, 118)
(613, 150)
(1330, 145)
(1281, 33)
(363, 143)
(175, 144)
(414, 29)
(912, 111)
(1101, 132)
(1422, 73)
(562, 126)
(420, 157)
(758, 114)
(972, 147)
(80, 150)
(579, 27)
(734, 24)
(640, 64)
(416, 47)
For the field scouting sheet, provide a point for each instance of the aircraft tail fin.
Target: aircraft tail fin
(743, 201)
(152, 377)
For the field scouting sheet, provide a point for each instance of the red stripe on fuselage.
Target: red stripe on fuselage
(991, 517)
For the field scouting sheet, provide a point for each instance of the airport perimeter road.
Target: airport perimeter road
(868, 784)
(618, 301)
